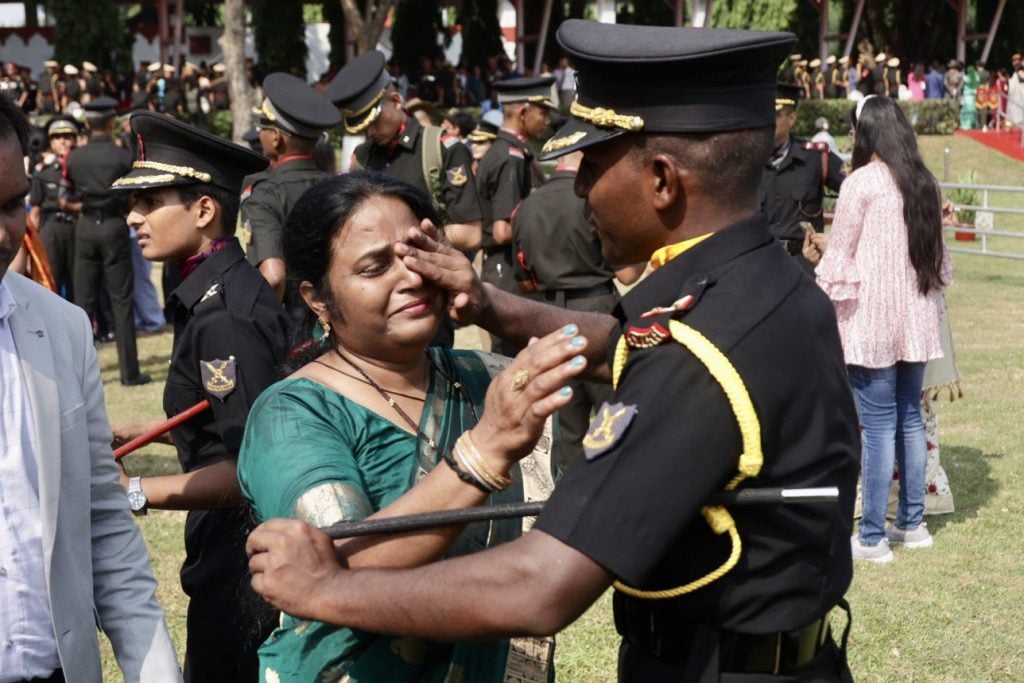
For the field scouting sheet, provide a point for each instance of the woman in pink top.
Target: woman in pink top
(884, 268)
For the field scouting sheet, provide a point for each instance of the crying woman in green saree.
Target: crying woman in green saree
(373, 422)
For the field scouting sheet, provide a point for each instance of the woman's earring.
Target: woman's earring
(321, 330)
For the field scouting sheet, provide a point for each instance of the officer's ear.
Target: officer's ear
(207, 212)
(666, 181)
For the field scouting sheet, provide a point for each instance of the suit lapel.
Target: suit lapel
(33, 342)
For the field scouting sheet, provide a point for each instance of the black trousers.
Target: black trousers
(103, 259)
(59, 240)
(497, 270)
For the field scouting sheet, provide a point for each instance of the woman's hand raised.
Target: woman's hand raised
(526, 393)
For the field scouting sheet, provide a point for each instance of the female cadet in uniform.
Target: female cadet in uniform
(360, 428)
(229, 338)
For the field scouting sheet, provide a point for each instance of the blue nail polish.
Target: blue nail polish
(569, 330)
(565, 392)
(577, 362)
(577, 342)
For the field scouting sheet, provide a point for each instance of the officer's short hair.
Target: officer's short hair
(12, 122)
(227, 201)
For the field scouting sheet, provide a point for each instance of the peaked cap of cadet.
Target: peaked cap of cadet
(62, 125)
(358, 90)
(100, 108)
(535, 90)
(172, 153)
(655, 79)
(295, 107)
(787, 95)
(487, 127)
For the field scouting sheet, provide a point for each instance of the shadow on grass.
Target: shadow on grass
(152, 364)
(970, 479)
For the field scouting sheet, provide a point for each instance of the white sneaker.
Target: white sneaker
(918, 537)
(880, 552)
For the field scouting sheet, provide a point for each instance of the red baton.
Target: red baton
(140, 441)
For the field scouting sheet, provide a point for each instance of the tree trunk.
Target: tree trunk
(366, 28)
(232, 43)
(31, 13)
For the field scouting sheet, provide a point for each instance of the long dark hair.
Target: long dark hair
(314, 222)
(883, 130)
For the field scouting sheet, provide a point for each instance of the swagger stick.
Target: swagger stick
(430, 520)
(142, 440)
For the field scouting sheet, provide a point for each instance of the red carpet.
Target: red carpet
(1007, 142)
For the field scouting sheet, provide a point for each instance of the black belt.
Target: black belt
(99, 215)
(56, 677)
(58, 216)
(603, 289)
(769, 653)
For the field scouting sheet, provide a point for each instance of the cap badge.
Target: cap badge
(218, 376)
(607, 428)
(557, 143)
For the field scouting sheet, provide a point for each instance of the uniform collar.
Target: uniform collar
(191, 291)
(289, 159)
(695, 268)
(407, 138)
(516, 140)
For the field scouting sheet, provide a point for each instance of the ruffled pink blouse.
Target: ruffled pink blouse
(866, 272)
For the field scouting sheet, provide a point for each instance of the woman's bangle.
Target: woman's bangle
(462, 474)
(470, 455)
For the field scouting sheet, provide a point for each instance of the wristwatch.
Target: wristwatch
(136, 498)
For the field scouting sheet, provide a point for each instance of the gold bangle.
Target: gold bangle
(467, 466)
(503, 481)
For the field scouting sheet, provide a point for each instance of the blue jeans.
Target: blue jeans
(889, 405)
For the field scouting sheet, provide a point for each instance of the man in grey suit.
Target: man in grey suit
(71, 557)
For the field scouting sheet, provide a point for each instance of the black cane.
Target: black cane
(431, 520)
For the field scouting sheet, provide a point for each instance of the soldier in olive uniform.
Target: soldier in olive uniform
(230, 335)
(50, 87)
(507, 175)
(103, 255)
(399, 146)
(559, 259)
(293, 117)
(56, 227)
(795, 178)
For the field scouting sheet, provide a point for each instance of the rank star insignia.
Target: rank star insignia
(457, 176)
(219, 376)
(646, 337)
(678, 305)
(607, 427)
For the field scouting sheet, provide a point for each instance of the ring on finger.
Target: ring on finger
(520, 379)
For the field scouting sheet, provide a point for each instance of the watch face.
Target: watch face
(137, 500)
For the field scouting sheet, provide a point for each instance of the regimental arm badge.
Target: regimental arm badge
(607, 427)
(219, 376)
(646, 337)
(457, 176)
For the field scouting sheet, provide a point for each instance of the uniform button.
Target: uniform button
(3, 572)
(701, 280)
(9, 644)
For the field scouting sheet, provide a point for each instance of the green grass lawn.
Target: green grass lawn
(949, 613)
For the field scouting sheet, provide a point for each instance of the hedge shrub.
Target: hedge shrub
(928, 117)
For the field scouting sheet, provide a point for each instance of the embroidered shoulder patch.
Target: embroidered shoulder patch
(607, 427)
(219, 376)
(646, 337)
(457, 176)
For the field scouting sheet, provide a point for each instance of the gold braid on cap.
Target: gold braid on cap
(606, 118)
(555, 144)
(143, 180)
(362, 125)
(186, 171)
(784, 102)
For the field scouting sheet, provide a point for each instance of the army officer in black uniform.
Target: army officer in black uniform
(729, 373)
(103, 255)
(401, 148)
(293, 116)
(229, 338)
(795, 178)
(56, 227)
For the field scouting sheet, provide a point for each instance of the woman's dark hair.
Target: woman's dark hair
(883, 130)
(314, 222)
(13, 122)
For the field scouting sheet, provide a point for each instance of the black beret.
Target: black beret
(535, 89)
(173, 153)
(656, 79)
(358, 90)
(295, 107)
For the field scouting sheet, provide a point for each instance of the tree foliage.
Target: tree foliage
(765, 15)
(481, 31)
(101, 40)
(279, 35)
(414, 33)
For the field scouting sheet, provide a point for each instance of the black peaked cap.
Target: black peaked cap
(359, 88)
(656, 79)
(787, 94)
(296, 107)
(535, 89)
(172, 153)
